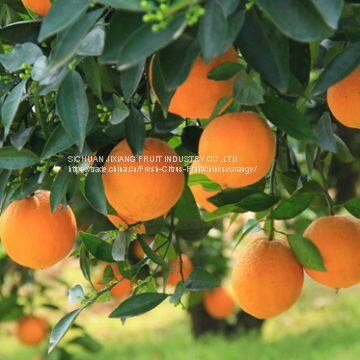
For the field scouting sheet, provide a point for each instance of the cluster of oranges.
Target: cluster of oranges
(267, 279)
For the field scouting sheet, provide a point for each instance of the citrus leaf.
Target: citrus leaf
(138, 304)
(58, 141)
(200, 280)
(12, 159)
(73, 108)
(62, 327)
(61, 15)
(306, 252)
(353, 207)
(97, 247)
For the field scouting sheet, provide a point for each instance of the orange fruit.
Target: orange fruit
(267, 280)
(123, 223)
(40, 7)
(175, 275)
(238, 149)
(343, 99)
(338, 240)
(197, 96)
(121, 290)
(201, 194)
(32, 330)
(144, 189)
(35, 237)
(219, 303)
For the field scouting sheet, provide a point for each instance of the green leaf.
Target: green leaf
(138, 304)
(58, 141)
(304, 20)
(76, 294)
(212, 30)
(257, 202)
(121, 111)
(87, 343)
(192, 229)
(98, 248)
(19, 139)
(4, 177)
(225, 71)
(130, 79)
(93, 43)
(135, 131)
(339, 68)
(12, 159)
(11, 106)
(62, 327)
(59, 187)
(21, 54)
(177, 59)
(288, 118)
(69, 41)
(150, 252)
(306, 252)
(144, 42)
(95, 193)
(220, 212)
(162, 125)
(343, 153)
(163, 95)
(120, 246)
(180, 290)
(85, 263)
(247, 91)
(266, 50)
(122, 25)
(200, 280)
(186, 208)
(252, 226)
(201, 179)
(353, 207)
(92, 75)
(233, 196)
(73, 108)
(293, 206)
(129, 5)
(20, 32)
(190, 138)
(325, 135)
(61, 15)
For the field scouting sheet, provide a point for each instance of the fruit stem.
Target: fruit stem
(273, 183)
(38, 113)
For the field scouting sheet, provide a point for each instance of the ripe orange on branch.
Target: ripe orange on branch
(197, 96)
(40, 7)
(144, 189)
(219, 303)
(35, 237)
(32, 330)
(267, 280)
(238, 149)
(338, 240)
(344, 100)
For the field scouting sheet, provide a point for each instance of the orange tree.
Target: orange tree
(267, 88)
